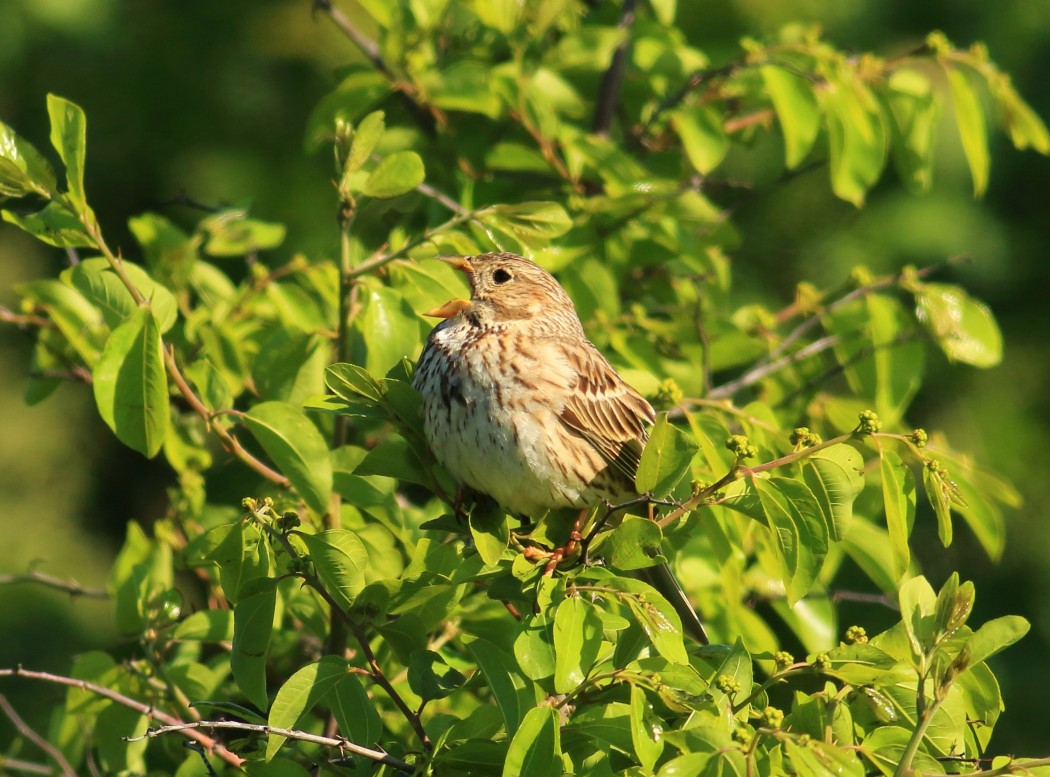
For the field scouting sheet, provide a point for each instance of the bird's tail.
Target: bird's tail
(663, 580)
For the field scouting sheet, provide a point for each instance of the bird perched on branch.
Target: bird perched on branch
(518, 404)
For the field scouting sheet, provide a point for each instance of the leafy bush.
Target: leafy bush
(346, 609)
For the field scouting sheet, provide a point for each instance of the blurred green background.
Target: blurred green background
(209, 100)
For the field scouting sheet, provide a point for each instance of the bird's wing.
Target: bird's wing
(605, 411)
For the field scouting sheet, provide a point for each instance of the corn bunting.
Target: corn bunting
(518, 404)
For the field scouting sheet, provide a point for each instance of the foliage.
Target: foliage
(349, 589)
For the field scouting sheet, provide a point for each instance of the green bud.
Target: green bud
(822, 661)
(772, 717)
(869, 422)
(919, 437)
(740, 445)
(856, 635)
(727, 685)
(783, 659)
(668, 394)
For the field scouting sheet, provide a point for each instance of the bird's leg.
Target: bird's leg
(569, 548)
(457, 503)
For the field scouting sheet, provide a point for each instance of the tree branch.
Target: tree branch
(23, 728)
(609, 91)
(69, 585)
(340, 742)
(148, 710)
(762, 371)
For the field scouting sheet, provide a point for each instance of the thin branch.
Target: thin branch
(23, 728)
(383, 258)
(69, 585)
(609, 91)
(427, 116)
(148, 710)
(762, 371)
(231, 443)
(22, 320)
(76, 374)
(28, 767)
(438, 196)
(340, 742)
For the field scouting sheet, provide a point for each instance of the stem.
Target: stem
(341, 742)
(609, 91)
(148, 710)
(381, 259)
(23, 728)
(904, 767)
(762, 371)
(69, 586)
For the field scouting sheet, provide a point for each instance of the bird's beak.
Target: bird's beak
(461, 263)
(449, 309)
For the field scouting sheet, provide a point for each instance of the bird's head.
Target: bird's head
(508, 288)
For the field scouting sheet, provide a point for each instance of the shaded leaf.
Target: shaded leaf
(395, 175)
(252, 626)
(898, 497)
(798, 527)
(835, 475)
(299, 694)
(666, 458)
(54, 225)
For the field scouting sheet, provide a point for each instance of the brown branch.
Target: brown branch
(18, 765)
(609, 91)
(738, 123)
(69, 585)
(8, 316)
(426, 115)
(342, 743)
(382, 258)
(148, 710)
(23, 728)
(762, 371)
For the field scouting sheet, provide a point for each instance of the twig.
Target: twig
(22, 320)
(340, 742)
(146, 709)
(23, 728)
(438, 196)
(762, 371)
(427, 116)
(609, 91)
(382, 258)
(18, 765)
(76, 373)
(69, 585)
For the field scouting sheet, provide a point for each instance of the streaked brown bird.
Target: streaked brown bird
(518, 404)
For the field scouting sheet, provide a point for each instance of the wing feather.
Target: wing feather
(607, 412)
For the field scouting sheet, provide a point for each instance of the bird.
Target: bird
(518, 404)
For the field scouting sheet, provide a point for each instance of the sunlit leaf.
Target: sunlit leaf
(252, 627)
(969, 118)
(577, 638)
(396, 174)
(665, 460)
(299, 694)
(296, 447)
(963, 327)
(703, 136)
(131, 384)
(797, 110)
(898, 497)
(535, 749)
(340, 559)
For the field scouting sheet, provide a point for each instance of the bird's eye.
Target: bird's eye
(501, 276)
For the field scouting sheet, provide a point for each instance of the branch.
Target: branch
(383, 258)
(427, 116)
(23, 728)
(69, 585)
(146, 709)
(762, 371)
(341, 742)
(609, 91)
(18, 765)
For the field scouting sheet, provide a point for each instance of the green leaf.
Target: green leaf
(290, 366)
(634, 544)
(356, 714)
(993, 636)
(954, 604)
(535, 749)
(490, 529)
(798, 528)
(389, 327)
(395, 175)
(856, 137)
(577, 638)
(429, 683)
(206, 626)
(665, 459)
(835, 475)
(54, 225)
(464, 86)
(534, 646)
(503, 680)
(1026, 129)
(131, 385)
(340, 559)
(73, 315)
(703, 136)
(296, 447)
(231, 233)
(646, 730)
(898, 497)
(23, 169)
(655, 615)
(394, 458)
(918, 605)
(963, 327)
(242, 554)
(366, 137)
(664, 10)
(914, 111)
(544, 220)
(69, 137)
(938, 490)
(299, 694)
(352, 382)
(969, 118)
(252, 625)
(797, 111)
(98, 282)
(279, 767)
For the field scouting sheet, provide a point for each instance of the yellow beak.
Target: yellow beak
(461, 263)
(449, 309)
